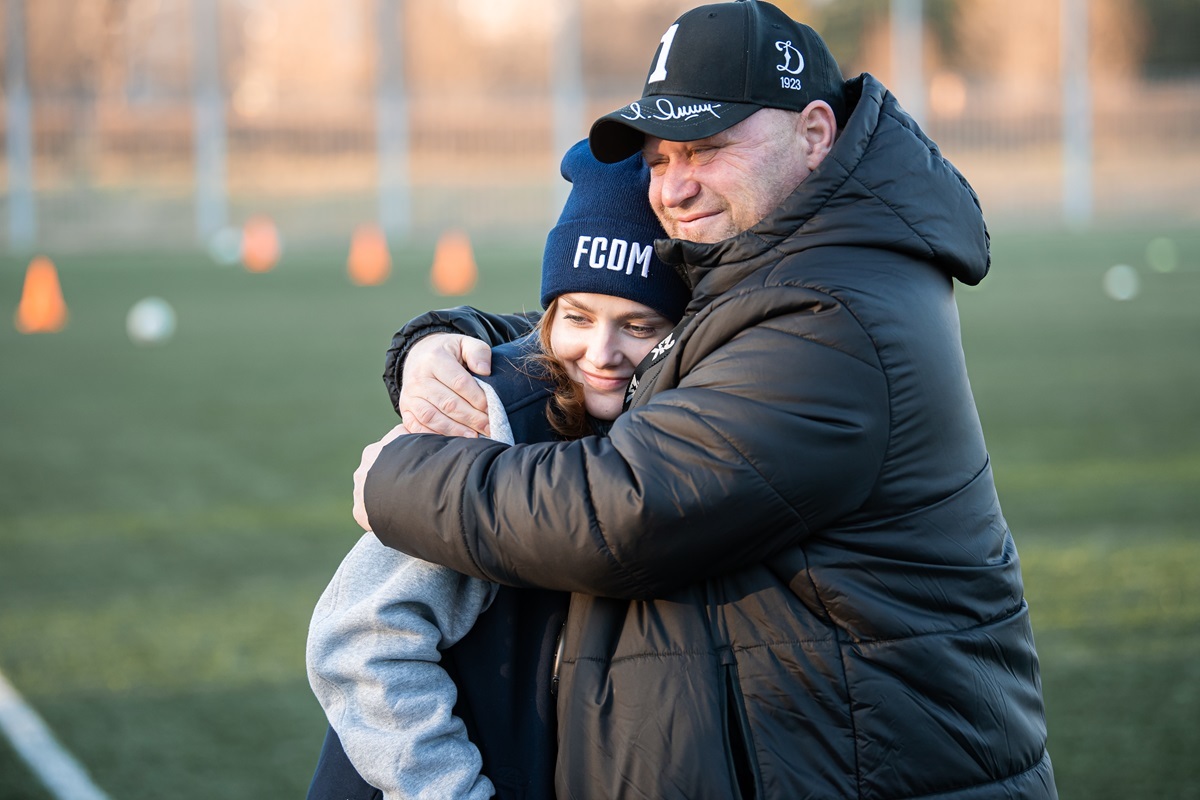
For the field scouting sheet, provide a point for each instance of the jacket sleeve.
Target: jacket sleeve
(373, 650)
(492, 328)
(767, 436)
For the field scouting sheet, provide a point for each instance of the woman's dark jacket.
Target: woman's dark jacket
(792, 575)
(504, 666)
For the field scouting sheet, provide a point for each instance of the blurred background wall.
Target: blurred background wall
(167, 123)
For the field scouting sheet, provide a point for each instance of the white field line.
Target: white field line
(63, 775)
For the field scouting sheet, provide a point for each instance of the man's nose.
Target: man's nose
(677, 184)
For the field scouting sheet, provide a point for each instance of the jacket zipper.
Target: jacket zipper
(559, 646)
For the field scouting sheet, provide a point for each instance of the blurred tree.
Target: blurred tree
(852, 28)
(1018, 41)
(1173, 46)
(1019, 38)
(845, 25)
(619, 41)
(73, 53)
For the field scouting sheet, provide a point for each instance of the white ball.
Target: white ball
(150, 321)
(1121, 282)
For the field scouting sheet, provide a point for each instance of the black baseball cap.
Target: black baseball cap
(715, 66)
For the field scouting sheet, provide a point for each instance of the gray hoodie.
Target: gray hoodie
(373, 657)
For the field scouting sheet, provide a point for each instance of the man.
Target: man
(792, 576)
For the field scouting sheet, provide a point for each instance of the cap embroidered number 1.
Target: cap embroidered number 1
(660, 69)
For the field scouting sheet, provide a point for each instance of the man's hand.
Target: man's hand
(370, 453)
(437, 395)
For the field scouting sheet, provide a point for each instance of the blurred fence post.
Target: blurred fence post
(208, 105)
(1077, 114)
(22, 219)
(566, 65)
(908, 56)
(391, 121)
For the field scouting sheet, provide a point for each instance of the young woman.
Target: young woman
(440, 685)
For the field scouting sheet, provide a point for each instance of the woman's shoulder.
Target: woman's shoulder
(521, 384)
(515, 369)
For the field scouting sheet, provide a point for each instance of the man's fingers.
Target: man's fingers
(436, 408)
(369, 455)
(437, 393)
(477, 356)
(395, 433)
(457, 394)
(421, 417)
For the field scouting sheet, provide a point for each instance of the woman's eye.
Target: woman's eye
(574, 319)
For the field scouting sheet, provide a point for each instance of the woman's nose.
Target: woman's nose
(603, 350)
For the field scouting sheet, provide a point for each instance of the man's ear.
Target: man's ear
(818, 127)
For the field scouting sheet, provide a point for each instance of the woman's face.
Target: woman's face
(600, 339)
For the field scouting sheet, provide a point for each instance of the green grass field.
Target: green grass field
(169, 514)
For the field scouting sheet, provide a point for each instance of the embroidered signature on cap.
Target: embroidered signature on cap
(664, 109)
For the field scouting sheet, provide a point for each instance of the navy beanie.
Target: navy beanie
(604, 240)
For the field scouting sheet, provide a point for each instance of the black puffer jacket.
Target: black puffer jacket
(806, 495)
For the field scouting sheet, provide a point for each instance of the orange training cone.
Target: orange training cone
(260, 244)
(42, 309)
(369, 263)
(454, 269)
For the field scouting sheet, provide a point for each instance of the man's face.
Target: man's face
(711, 189)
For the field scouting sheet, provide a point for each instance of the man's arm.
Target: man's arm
(424, 372)
(692, 484)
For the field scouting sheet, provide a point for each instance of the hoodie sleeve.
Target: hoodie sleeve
(374, 647)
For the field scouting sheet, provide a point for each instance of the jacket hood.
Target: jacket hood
(884, 184)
